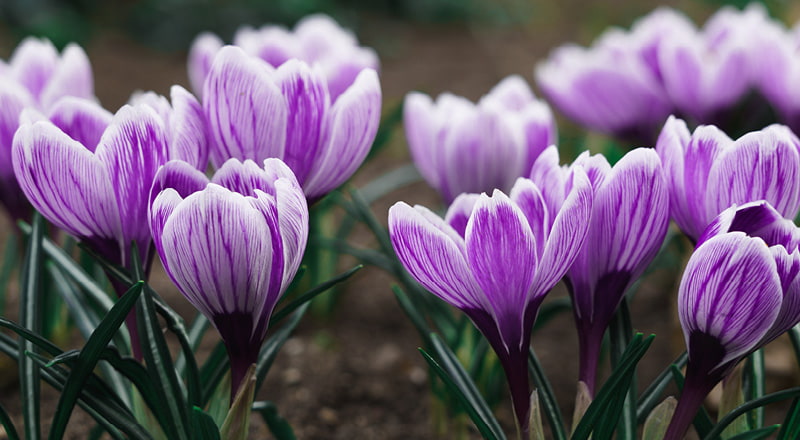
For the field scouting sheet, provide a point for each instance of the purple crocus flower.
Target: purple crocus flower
(316, 39)
(708, 172)
(255, 111)
(460, 147)
(36, 76)
(740, 290)
(495, 258)
(777, 63)
(232, 245)
(628, 223)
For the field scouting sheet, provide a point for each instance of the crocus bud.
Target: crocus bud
(232, 245)
(461, 147)
(707, 171)
(503, 265)
(255, 111)
(740, 290)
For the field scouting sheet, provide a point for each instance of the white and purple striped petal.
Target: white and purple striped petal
(82, 119)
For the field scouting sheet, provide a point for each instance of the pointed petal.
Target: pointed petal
(434, 254)
(201, 56)
(179, 176)
(550, 178)
(245, 109)
(72, 77)
(13, 99)
(789, 272)
(188, 139)
(501, 251)
(756, 219)
(459, 212)
(527, 196)
(760, 165)
(512, 92)
(82, 119)
(352, 126)
(671, 147)
(244, 178)
(162, 205)
(65, 182)
(307, 99)
(33, 63)
(131, 150)
(702, 155)
(420, 123)
(566, 236)
(730, 291)
(293, 222)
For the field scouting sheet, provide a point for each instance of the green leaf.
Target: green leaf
(112, 269)
(30, 318)
(196, 332)
(304, 298)
(88, 358)
(413, 314)
(389, 122)
(790, 428)
(757, 434)
(8, 424)
(272, 345)
(389, 182)
(613, 392)
(547, 399)
(620, 332)
(192, 374)
(213, 370)
(733, 396)
(791, 393)
(463, 388)
(203, 426)
(757, 377)
(277, 425)
(9, 262)
(657, 422)
(650, 397)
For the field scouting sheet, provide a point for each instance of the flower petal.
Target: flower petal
(671, 147)
(760, 165)
(244, 178)
(434, 254)
(550, 178)
(72, 77)
(188, 138)
(527, 196)
(789, 272)
(245, 109)
(307, 99)
(501, 251)
(420, 122)
(131, 150)
(350, 131)
(65, 182)
(13, 99)
(293, 223)
(702, 155)
(82, 119)
(179, 176)
(33, 63)
(459, 212)
(756, 219)
(201, 56)
(567, 235)
(730, 291)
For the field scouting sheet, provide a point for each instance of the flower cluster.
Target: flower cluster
(627, 83)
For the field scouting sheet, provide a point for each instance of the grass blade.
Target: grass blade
(30, 318)
(651, 396)
(791, 393)
(272, 345)
(547, 398)
(277, 425)
(8, 425)
(307, 296)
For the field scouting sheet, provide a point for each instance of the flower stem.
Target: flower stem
(695, 390)
(589, 344)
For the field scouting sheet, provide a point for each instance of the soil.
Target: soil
(356, 373)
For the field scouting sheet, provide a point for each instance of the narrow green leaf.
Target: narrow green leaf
(8, 424)
(237, 422)
(389, 182)
(757, 434)
(196, 332)
(757, 377)
(213, 370)
(413, 314)
(650, 397)
(449, 369)
(790, 428)
(203, 426)
(8, 265)
(30, 318)
(192, 373)
(733, 396)
(794, 336)
(791, 393)
(620, 332)
(114, 270)
(304, 298)
(388, 124)
(273, 345)
(546, 396)
(277, 425)
(614, 391)
(31, 337)
(88, 358)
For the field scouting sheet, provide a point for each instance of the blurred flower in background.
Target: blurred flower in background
(35, 76)
(461, 147)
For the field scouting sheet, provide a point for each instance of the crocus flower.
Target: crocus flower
(255, 111)
(777, 69)
(628, 223)
(35, 76)
(495, 258)
(232, 245)
(316, 39)
(707, 171)
(184, 123)
(460, 147)
(740, 290)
